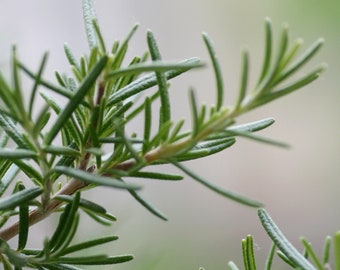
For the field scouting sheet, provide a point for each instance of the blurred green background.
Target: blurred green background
(300, 187)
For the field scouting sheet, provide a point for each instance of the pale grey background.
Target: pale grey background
(300, 187)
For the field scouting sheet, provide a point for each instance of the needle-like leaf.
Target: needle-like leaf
(282, 243)
(94, 179)
(84, 88)
(19, 198)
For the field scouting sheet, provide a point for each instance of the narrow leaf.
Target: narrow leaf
(83, 203)
(12, 131)
(206, 148)
(61, 150)
(70, 57)
(161, 81)
(19, 198)
(13, 154)
(336, 241)
(194, 113)
(94, 179)
(226, 193)
(281, 241)
(84, 88)
(36, 84)
(88, 244)
(157, 176)
(94, 260)
(326, 250)
(23, 223)
(244, 80)
(312, 254)
(146, 82)
(217, 71)
(270, 258)
(8, 178)
(267, 50)
(89, 15)
(147, 205)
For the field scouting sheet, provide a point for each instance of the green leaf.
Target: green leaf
(19, 198)
(148, 205)
(194, 113)
(13, 154)
(94, 179)
(71, 127)
(312, 254)
(88, 244)
(31, 172)
(248, 253)
(267, 50)
(161, 81)
(70, 57)
(62, 150)
(206, 148)
(252, 126)
(61, 266)
(336, 240)
(156, 66)
(8, 178)
(282, 243)
(217, 71)
(94, 260)
(66, 222)
(244, 80)
(270, 258)
(89, 16)
(120, 51)
(326, 250)
(303, 59)
(74, 102)
(12, 131)
(82, 203)
(146, 82)
(36, 84)
(157, 176)
(226, 193)
(23, 222)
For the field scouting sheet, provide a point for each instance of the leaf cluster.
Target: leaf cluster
(305, 260)
(65, 148)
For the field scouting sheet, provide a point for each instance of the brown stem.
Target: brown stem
(37, 215)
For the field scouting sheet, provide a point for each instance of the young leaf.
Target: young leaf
(161, 81)
(336, 241)
(312, 254)
(36, 84)
(84, 88)
(217, 71)
(89, 15)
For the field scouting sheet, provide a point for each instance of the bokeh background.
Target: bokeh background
(300, 187)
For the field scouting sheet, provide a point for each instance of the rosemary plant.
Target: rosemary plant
(64, 149)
